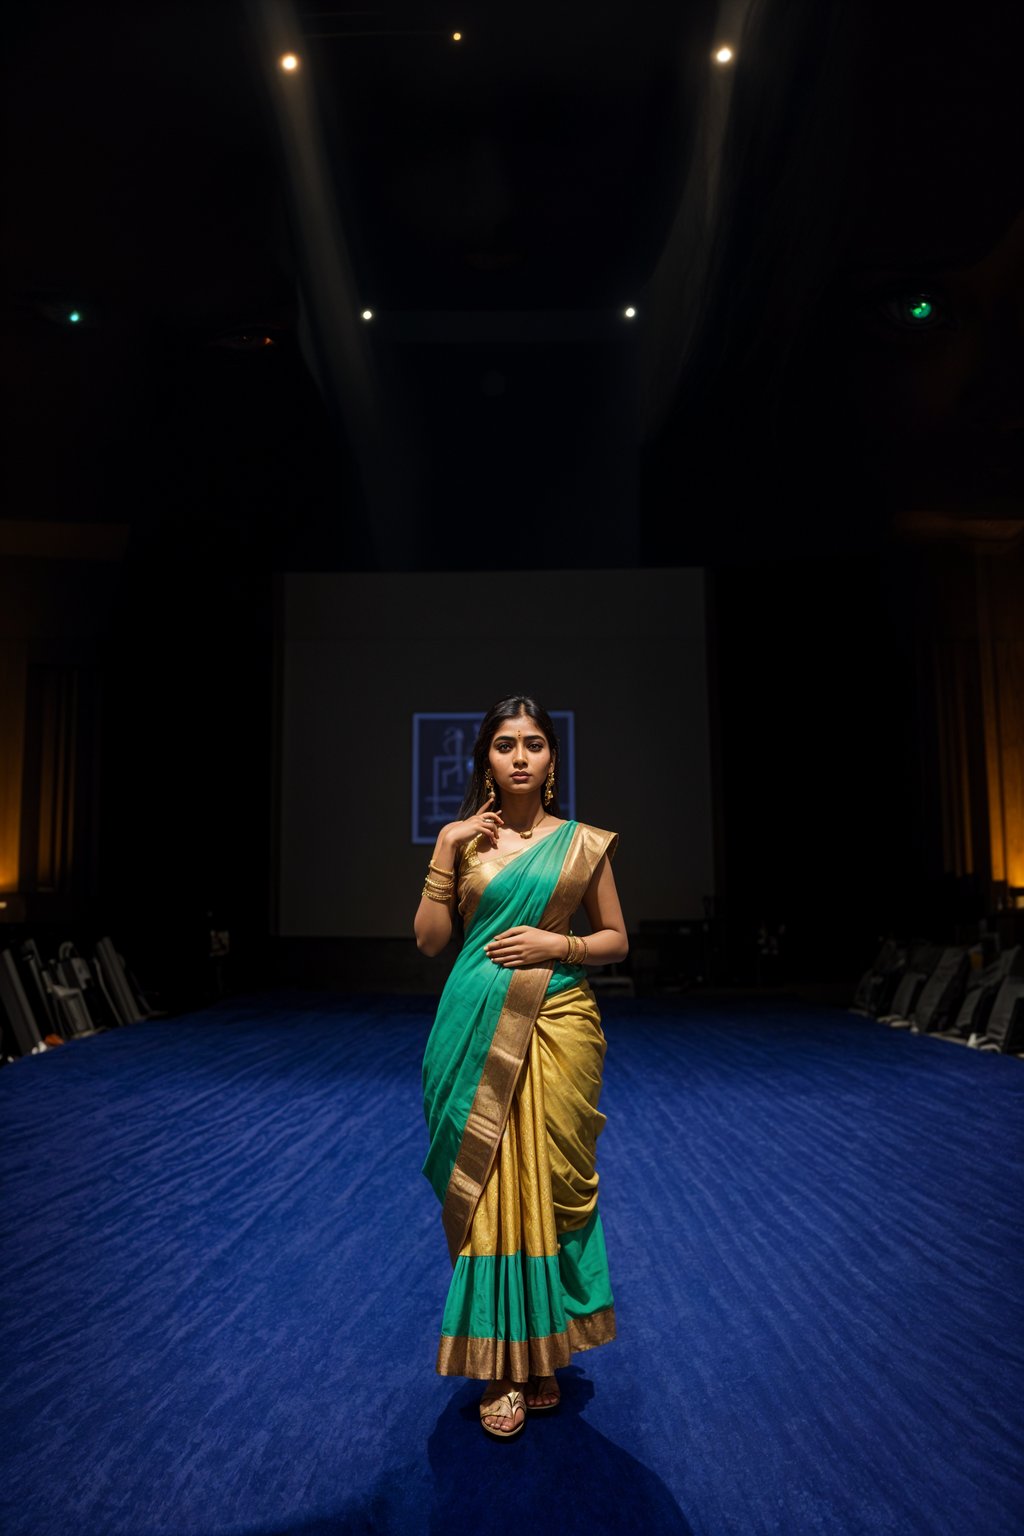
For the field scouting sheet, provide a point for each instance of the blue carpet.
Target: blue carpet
(223, 1275)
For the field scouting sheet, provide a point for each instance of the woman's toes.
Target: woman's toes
(544, 1394)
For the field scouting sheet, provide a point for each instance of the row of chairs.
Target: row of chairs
(44, 1002)
(951, 990)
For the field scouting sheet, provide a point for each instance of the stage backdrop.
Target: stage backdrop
(359, 655)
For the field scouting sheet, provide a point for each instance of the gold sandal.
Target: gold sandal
(489, 1409)
(533, 1385)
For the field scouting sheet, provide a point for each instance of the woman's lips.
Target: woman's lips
(517, 778)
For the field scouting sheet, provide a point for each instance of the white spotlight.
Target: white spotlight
(723, 56)
(629, 313)
(367, 314)
(456, 37)
(289, 62)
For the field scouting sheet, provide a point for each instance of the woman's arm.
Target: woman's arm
(434, 919)
(608, 942)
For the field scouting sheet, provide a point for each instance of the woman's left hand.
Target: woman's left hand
(526, 946)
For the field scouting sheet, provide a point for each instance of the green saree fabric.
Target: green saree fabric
(475, 994)
(511, 1078)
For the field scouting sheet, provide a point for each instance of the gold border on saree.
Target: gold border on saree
(492, 1101)
(491, 1359)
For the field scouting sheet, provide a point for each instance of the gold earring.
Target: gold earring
(549, 783)
(488, 783)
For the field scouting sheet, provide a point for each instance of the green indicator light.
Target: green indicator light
(920, 309)
(74, 317)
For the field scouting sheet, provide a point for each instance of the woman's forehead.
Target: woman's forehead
(525, 724)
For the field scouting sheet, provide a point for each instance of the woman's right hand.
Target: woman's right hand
(485, 823)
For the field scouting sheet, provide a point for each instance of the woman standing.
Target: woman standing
(512, 1071)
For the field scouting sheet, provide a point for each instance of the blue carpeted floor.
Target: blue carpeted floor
(223, 1274)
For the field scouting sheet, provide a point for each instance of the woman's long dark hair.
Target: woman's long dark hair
(506, 709)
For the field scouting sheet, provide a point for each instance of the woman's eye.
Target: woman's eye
(914, 310)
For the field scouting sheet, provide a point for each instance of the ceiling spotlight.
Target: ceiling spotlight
(456, 37)
(367, 314)
(289, 62)
(629, 313)
(723, 56)
(75, 316)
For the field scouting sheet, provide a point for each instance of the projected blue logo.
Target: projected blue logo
(442, 766)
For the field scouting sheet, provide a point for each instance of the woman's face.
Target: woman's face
(519, 756)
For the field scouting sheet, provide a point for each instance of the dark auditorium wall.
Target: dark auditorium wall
(824, 761)
(358, 654)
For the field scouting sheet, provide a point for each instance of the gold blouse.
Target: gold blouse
(473, 873)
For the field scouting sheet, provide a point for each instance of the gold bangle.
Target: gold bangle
(583, 949)
(437, 895)
(438, 870)
(444, 890)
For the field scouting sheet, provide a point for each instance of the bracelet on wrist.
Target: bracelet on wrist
(575, 949)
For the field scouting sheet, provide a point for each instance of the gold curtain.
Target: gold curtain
(976, 654)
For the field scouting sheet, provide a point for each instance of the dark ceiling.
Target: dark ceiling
(497, 202)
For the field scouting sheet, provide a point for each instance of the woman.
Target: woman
(512, 1071)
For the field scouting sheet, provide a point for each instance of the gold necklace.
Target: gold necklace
(531, 830)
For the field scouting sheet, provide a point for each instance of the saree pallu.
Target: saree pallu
(511, 1082)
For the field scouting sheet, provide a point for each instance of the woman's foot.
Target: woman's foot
(502, 1421)
(542, 1392)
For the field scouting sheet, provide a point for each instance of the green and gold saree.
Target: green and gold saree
(511, 1082)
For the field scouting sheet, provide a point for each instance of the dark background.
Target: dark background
(850, 479)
